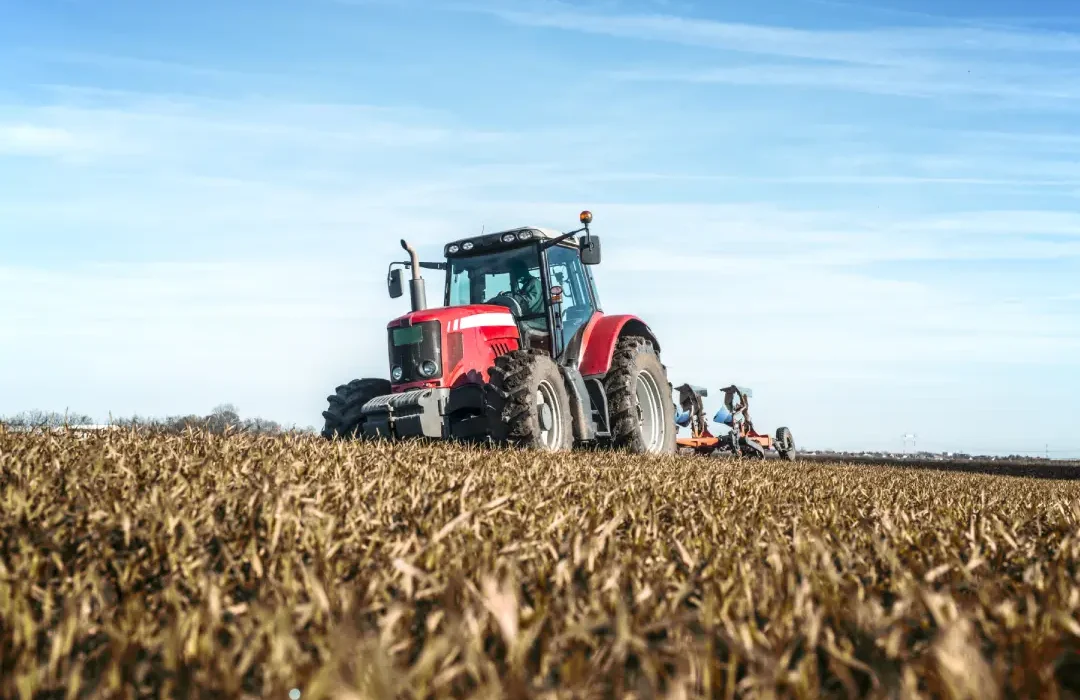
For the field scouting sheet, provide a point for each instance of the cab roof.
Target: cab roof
(489, 242)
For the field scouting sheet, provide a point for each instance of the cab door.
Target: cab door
(564, 269)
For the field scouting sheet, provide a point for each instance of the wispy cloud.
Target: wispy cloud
(155, 66)
(913, 81)
(878, 46)
(131, 123)
(1015, 64)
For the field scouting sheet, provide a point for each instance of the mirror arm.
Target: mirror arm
(426, 265)
(555, 241)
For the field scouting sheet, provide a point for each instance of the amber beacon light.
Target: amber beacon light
(585, 217)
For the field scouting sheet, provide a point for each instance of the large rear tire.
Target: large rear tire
(528, 405)
(344, 421)
(639, 399)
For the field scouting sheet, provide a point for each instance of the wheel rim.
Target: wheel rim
(546, 396)
(651, 410)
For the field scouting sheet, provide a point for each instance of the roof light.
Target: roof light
(585, 217)
(525, 235)
(467, 245)
(453, 248)
(508, 238)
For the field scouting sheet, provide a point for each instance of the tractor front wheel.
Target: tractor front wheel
(344, 421)
(528, 403)
(639, 399)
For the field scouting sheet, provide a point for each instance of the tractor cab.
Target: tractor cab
(539, 275)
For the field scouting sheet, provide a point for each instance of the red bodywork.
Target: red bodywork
(469, 352)
(471, 344)
(601, 334)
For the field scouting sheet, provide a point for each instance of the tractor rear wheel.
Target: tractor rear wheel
(639, 399)
(344, 421)
(785, 444)
(528, 403)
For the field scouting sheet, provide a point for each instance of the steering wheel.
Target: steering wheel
(509, 301)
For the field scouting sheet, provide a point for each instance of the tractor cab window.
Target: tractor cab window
(565, 270)
(481, 278)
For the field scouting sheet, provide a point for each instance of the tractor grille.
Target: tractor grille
(500, 348)
(410, 346)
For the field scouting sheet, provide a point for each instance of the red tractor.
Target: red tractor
(521, 353)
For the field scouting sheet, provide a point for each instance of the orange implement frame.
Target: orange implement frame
(708, 443)
(736, 400)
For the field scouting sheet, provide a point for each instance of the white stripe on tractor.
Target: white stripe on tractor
(479, 320)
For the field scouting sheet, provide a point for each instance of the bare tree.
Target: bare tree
(46, 419)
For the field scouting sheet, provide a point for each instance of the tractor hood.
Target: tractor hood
(449, 346)
(455, 318)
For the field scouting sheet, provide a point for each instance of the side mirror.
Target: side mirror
(590, 250)
(394, 284)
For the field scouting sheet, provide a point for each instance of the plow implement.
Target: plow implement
(742, 439)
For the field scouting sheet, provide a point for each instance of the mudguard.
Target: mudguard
(600, 337)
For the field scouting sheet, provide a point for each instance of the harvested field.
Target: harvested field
(202, 566)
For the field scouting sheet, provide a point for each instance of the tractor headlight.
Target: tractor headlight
(467, 245)
(453, 249)
(428, 368)
(397, 373)
(524, 235)
(509, 238)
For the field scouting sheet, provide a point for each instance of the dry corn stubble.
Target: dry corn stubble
(139, 565)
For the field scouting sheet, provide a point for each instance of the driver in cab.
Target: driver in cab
(528, 288)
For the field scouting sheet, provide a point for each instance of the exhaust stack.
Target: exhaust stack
(417, 294)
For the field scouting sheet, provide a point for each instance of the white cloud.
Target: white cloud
(33, 140)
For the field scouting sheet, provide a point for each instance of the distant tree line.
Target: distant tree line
(223, 418)
(45, 419)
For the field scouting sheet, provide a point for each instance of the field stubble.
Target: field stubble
(135, 565)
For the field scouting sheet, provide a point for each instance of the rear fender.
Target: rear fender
(600, 337)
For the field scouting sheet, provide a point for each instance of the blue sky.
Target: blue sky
(865, 212)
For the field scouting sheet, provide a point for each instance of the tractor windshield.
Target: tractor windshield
(481, 278)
